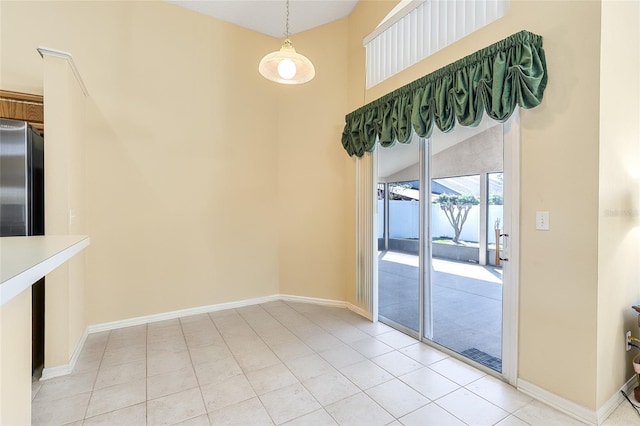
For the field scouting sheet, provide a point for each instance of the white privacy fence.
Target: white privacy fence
(404, 221)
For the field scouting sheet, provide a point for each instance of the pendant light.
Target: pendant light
(286, 66)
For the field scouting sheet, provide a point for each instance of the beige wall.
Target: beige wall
(182, 176)
(199, 192)
(15, 364)
(313, 219)
(209, 184)
(559, 166)
(65, 196)
(194, 165)
(363, 19)
(619, 190)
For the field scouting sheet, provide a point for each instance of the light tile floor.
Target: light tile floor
(466, 302)
(280, 363)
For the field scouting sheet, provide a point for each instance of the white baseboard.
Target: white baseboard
(358, 310)
(568, 407)
(63, 370)
(219, 307)
(313, 300)
(57, 371)
(177, 314)
(327, 302)
(575, 410)
(615, 400)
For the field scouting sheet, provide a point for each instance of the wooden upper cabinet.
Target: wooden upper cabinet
(24, 107)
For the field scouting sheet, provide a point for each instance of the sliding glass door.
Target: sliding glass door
(399, 237)
(441, 240)
(466, 275)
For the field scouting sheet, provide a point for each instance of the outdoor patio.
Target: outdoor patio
(467, 303)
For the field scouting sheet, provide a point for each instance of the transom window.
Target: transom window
(415, 29)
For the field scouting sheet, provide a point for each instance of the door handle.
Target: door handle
(506, 259)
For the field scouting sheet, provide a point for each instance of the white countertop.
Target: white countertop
(24, 260)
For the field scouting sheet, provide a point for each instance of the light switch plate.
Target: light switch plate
(542, 221)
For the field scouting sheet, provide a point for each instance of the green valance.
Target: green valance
(495, 79)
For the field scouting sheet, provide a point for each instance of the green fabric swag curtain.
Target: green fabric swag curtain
(495, 79)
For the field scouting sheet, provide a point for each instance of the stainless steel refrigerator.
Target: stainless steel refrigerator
(22, 206)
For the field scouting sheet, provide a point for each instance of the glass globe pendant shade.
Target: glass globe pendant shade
(286, 66)
(287, 69)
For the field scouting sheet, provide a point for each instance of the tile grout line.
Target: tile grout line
(257, 335)
(204, 404)
(117, 384)
(288, 369)
(394, 376)
(283, 323)
(282, 362)
(276, 355)
(322, 407)
(95, 380)
(337, 370)
(146, 372)
(147, 330)
(244, 373)
(364, 391)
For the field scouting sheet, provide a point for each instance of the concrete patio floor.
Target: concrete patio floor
(466, 303)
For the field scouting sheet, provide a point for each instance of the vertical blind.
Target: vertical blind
(424, 30)
(366, 240)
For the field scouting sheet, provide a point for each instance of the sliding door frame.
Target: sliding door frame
(511, 217)
(424, 294)
(511, 271)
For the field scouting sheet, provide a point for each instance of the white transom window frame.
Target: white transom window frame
(415, 29)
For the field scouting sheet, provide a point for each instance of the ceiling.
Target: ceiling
(269, 16)
(402, 156)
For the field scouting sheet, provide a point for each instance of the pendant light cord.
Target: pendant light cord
(287, 21)
(286, 66)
